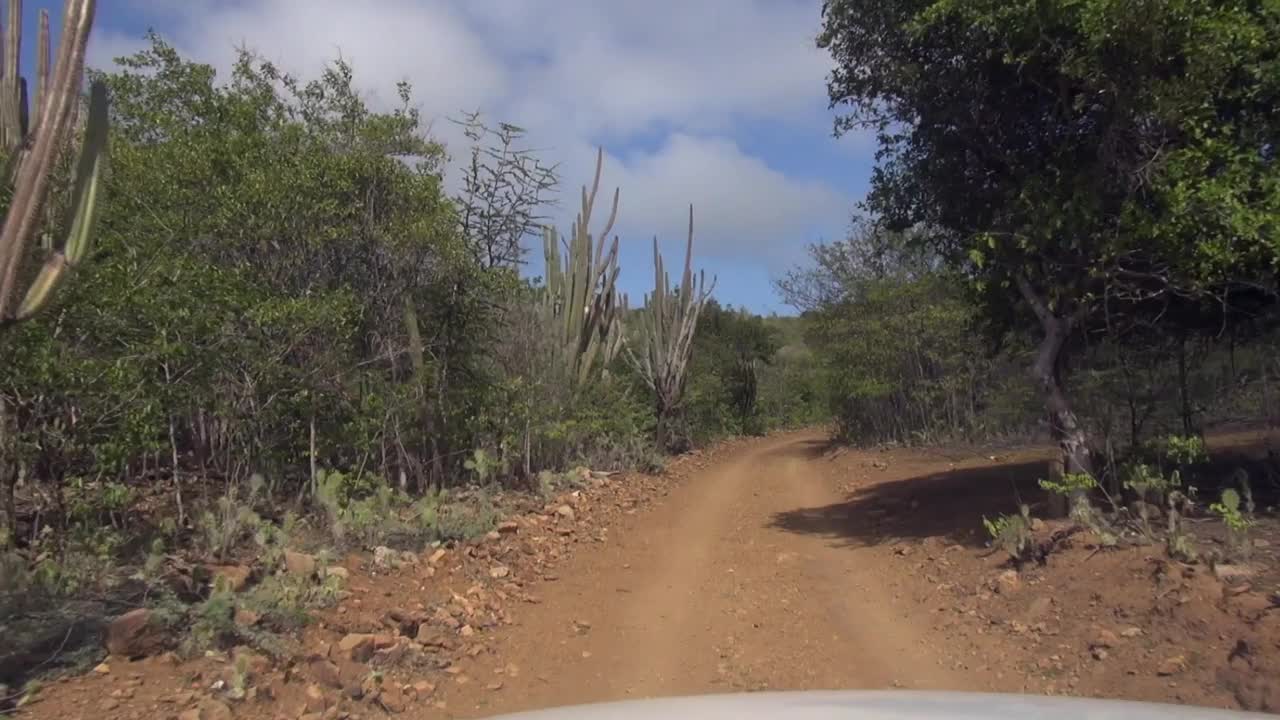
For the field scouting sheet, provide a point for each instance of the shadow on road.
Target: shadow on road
(809, 449)
(947, 505)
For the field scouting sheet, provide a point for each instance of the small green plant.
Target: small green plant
(1229, 509)
(230, 521)
(239, 685)
(1076, 487)
(546, 484)
(29, 692)
(1152, 489)
(1070, 484)
(211, 623)
(652, 462)
(1183, 450)
(1012, 533)
(272, 540)
(463, 520)
(482, 466)
(1181, 546)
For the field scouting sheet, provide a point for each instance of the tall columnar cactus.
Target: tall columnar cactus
(32, 151)
(668, 323)
(581, 302)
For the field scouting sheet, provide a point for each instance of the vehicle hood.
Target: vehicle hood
(879, 705)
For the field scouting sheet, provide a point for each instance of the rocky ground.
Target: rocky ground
(774, 563)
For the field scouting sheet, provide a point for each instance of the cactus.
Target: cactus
(33, 149)
(581, 303)
(668, 323)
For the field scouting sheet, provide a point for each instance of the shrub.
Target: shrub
(1012, 533)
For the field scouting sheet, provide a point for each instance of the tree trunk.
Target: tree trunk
(660, 429)
(1184, 394)
(1063, 423)
(8, 481)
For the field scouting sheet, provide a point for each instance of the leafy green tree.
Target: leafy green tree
(1077, 161)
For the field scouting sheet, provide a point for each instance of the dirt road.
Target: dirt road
(708, 592)
(768, 564)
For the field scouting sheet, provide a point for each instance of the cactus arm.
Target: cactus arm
(12, 95)
(42, 62)
(580, 298)
(52, 123)
(83, 212)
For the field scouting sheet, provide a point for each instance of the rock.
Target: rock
(109, 704)
(444, 617)
(1099, 653)
(509, 527)
(357, 647)
(246, 618)
(1037, 525)
(136, 634)
(384, 557)
(315, 699)
(337, 571)
(387, 657)
(1039, 607)
(422, 687)
(1172, 666)
(499, 571)
(430, 637)
(1105, 639)
(326, 673)
(437, 556)
(408, 558)
(1130, 632)
(1233, 573)
(566, 512)
(234, 577)
(495, 685)
(370, 688)
(208, 709)
(392, 699)
(408, 623)
(296, 563)
(466, 631)
(492, 536)
(1233, 591)
(1007, 582)
(102, 669)
(902, 550)
(1255, 691)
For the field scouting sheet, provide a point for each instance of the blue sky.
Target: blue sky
(719, 103)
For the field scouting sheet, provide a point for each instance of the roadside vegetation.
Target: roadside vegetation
(273, 332)
(244, 329)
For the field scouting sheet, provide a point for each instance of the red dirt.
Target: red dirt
(767, 564)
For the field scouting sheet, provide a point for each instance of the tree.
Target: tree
(1075, 160)
(504, 192)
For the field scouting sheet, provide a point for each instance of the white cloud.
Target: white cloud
(678, 75)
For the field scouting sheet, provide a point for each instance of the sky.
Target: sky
(716, 103)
